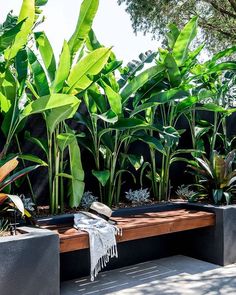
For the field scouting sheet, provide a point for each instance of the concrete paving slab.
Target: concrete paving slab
(176, 275)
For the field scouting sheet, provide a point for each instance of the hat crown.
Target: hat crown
(101, 209)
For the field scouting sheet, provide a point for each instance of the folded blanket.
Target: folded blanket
(101, 239)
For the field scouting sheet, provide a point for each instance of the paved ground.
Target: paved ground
(178, 275)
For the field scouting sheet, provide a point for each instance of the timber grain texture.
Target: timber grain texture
(138, 227)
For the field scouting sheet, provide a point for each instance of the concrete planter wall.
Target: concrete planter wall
(214, 244)
(30, 263)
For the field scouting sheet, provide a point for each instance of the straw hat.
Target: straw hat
(101, 209)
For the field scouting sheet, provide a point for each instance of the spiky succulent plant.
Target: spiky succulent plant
(138, 196)
(87, 199)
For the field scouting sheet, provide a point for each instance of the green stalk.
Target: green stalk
(56, 178)
(213, 141)
(112, 170)
(119, 182)
(97, 152)
(50, 171)
(27, 176)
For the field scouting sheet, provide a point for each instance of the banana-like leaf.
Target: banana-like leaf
(152, 142)
(7, 168)
(57, 115)
(49, 102)
(102, 176)
(91, 64)
(27, 13)
(173, 71)
(113, 97)
(186, 104)
(21, 64)
(40, 77)
(7, 38)
(172, 35)
(41, 143)
(63, 69)
(135, 160)
(138, 81)
(76, 170)
(33, 158)
(224, 66)
(181, 47)
(224, 53)
(64, 139)
(129, 123)
(88, 10)
(47, 54)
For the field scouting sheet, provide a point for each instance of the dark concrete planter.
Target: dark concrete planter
(30, 263)
(213, 244)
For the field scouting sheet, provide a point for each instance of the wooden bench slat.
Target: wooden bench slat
(138, 227)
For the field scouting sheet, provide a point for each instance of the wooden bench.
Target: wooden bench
(138, 227)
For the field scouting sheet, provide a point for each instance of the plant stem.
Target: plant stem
(27, 176)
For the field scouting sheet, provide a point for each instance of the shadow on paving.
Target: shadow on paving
(177, 275)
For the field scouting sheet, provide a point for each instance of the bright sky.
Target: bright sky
(112, 26)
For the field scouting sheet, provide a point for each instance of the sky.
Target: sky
(112, 26)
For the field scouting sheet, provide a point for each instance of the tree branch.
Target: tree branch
(233, 4)
(211, 26)
(220, 9)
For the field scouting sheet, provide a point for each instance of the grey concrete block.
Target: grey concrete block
(30, 263)
(213, 244)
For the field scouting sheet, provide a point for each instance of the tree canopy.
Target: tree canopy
(217, 18)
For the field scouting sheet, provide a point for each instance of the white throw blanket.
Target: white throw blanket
(101, 239)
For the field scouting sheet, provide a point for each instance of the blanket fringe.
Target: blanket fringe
(102, 262)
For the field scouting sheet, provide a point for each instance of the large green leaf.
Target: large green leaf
(33, 158)
(113, 97)
(172, 35)
(64, 139)
(21, 64)
(8, 37)
(181, 47)
(41, 143)
(91, 64)
(57, 115)
(47, 54)
(173, 71)
(224, 53)
(129, 123)
(48, 102)
(40, 77)
(76, 170)
(27, 13)
(88, 11)
(152, 142)
(102, 176)
(139, 81)
(224, 66)
(63, 69)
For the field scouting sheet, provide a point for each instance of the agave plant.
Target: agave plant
(8, 201)
(216, 176)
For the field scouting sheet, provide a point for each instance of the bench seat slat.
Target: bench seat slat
(138, 227)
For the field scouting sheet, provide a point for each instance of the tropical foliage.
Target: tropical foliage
(130, 120)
